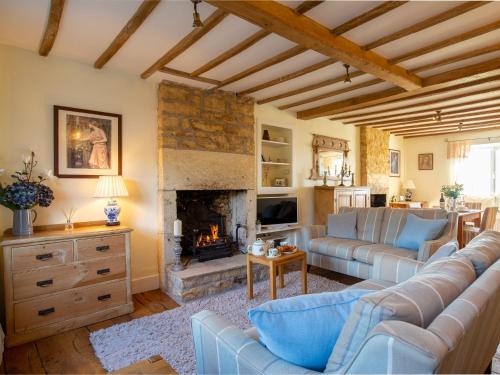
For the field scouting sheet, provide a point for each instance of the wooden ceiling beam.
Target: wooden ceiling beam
(182, 74)
(196, 34)
(425, 24)
(140, 15)
(307, 33)
(288, 77)
(486, 128)
(446, 42)
(349, 25)
(373, 13)
(314, 86)
(434, 124)
(52, 27)
(362, 116)
(332, 93)
(248, 42)
(437, 83)
(276, 59)
(442, 128)
(418, 119)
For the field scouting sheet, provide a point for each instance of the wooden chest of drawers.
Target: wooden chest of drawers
(54, 280)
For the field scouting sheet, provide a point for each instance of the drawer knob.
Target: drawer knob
(44, 283)
(104, 297)
(104, 271)
(44, 257)
(102, 248)
(46, 311)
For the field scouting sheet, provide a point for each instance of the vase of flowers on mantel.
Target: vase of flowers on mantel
(26, 192)
(452, 192)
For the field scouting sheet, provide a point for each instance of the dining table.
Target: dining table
(468, 216)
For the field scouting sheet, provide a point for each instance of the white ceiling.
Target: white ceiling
(88, 27)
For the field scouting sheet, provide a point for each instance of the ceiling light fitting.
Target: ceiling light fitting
(437, 116)
(196, 16)
(347, 76)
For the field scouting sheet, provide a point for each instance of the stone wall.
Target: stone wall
(204, 120)
(374, 159)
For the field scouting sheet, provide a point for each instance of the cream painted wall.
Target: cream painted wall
(397, 143)
(303, 136)
(428, 183)
(29, 86)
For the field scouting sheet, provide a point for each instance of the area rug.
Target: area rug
(168, 334)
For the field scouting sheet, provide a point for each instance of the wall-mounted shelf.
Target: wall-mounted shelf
(280, 229)
(274, 163)
(276, 143)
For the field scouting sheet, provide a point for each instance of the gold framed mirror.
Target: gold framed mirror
(329, 154)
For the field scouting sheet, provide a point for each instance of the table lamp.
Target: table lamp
(409, 185)
(111, 187)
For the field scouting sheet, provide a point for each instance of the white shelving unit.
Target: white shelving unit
(275, 160)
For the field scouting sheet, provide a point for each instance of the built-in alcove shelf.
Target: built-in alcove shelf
(275, 161)
(279, 229)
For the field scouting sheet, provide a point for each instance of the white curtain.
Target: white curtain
(458, 151)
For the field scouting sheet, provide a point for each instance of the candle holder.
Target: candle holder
(177, 266)
(344, 172)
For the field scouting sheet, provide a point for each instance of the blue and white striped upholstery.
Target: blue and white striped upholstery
(366, 253)
(335, 247)
(368, 222)
(347, 267)
(482, 251)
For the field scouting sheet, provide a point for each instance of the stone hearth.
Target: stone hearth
(206, 141)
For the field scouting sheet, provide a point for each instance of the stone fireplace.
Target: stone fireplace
(374, 159)
(206, 145)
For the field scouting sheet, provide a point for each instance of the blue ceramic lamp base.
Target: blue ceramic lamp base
(112, 211)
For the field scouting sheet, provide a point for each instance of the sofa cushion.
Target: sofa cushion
(303, 330)
(444, 251)
(335, 247)
(418, 230)
(342, 225)
(372, 284)
(366, 253)
(416, 301)
(395, 220)
(368, 222)
(482, 251)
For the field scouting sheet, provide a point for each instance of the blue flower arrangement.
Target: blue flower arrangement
(27, 191)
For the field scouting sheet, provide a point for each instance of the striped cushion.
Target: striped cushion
(372, 284)
(417, 301)
(395, 220)
(483, 251)
(335, 247)
(366, 253)
(368, 223)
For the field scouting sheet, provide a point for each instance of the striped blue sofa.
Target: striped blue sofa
(377, 230)
(447, 323)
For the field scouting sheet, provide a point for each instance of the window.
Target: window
(479, 171)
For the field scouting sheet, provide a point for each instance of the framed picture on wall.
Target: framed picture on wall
(426, 162)
(395, 163)
(87, 144)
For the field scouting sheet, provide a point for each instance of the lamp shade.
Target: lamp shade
(110, 187)
(409, 184)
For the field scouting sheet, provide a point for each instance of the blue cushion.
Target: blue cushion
(343, 225)
(303, 330)
(417, 230)
(444, 251)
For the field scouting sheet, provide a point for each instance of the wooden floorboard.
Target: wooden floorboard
(71, 352)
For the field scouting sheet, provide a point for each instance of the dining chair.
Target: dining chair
(487, 222)
(473, 205)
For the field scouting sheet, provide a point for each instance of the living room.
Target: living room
(185, 103)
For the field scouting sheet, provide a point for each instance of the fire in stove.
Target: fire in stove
(208, 239)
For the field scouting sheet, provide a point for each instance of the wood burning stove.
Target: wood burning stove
(204, 218)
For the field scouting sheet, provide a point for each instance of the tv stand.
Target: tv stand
(280, 233)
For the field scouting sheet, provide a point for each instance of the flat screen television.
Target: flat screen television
(277, 210)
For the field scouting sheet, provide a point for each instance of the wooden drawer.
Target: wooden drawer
(50, 309)
(98, 247)
(53, 279)
(42, 255)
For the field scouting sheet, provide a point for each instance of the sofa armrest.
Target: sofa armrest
(310, 233)
(222, 348)
(400, 348)
(428, 248)
(394, 268)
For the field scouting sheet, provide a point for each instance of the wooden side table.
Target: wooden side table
(275, 264)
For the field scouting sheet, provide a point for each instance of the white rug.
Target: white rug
(169, 333)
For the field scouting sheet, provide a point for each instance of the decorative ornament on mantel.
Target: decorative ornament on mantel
(26, 193)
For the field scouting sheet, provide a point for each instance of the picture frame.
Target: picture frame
(426, 161)
(87, 143)
(394, 163)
